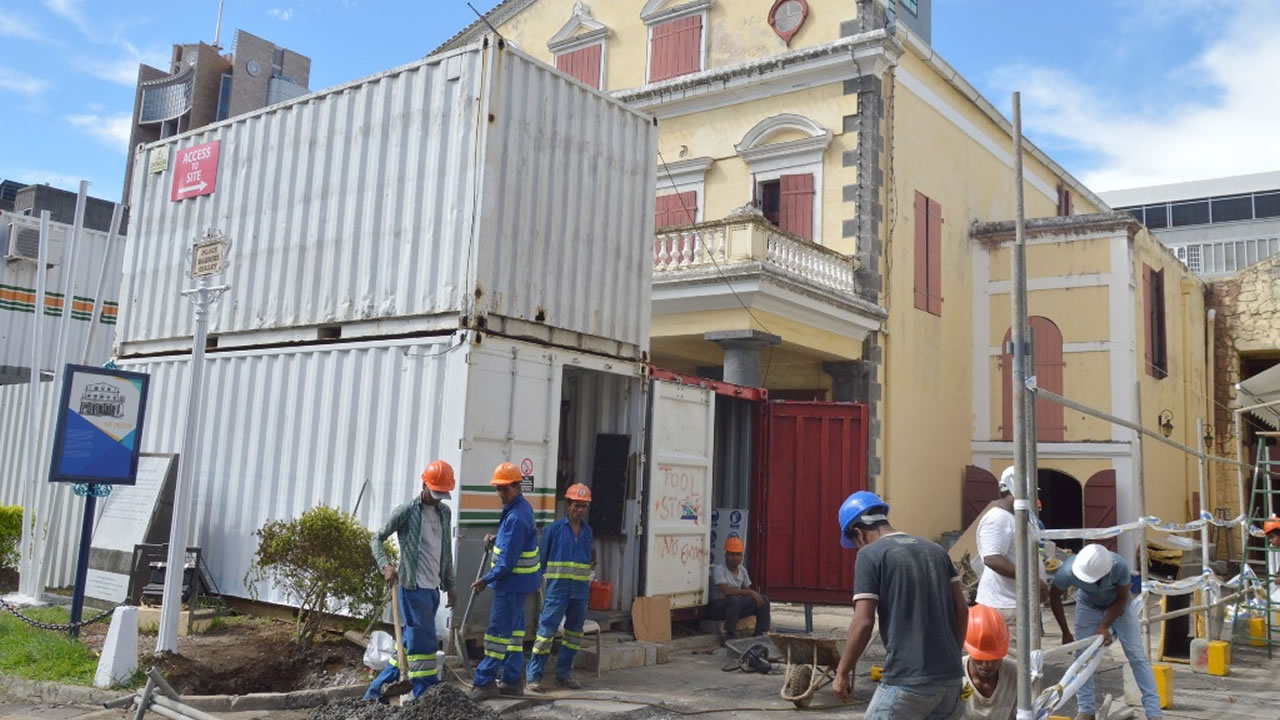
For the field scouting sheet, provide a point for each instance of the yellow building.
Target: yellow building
(821, 173)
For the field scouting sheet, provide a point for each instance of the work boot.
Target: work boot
(510, 690)
(480, 693)
(569, 683)
(536, 686)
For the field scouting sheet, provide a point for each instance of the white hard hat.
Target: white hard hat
(1006, 480)
(1092, 564)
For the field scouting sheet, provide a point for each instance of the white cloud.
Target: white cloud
(14, 26)
(124, 70)
(282, 15)
(20, 82)
(1223, 124)
(112, 130)
(36, 176)
(70, 10)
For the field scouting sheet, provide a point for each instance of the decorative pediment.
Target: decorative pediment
(755, 142)
(582, 29)
(655, 11)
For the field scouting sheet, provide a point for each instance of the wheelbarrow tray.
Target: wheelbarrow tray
(811, 665)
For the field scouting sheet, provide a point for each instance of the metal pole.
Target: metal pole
(116, 213)
(1244, 502)
(70, 256)
(82, 562)
(1020, 505)
(29, 578)
(1204, 531)
(167, 638)
(1140, 482)
(1032, 467)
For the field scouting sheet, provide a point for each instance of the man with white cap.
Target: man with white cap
(425, 570)
(997, 587)
(1101, 578)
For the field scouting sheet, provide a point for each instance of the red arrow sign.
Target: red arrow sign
(196, 171)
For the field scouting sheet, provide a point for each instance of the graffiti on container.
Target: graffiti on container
(679, 496)
(685, 549)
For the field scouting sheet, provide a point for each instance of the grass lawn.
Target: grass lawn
(35, 654)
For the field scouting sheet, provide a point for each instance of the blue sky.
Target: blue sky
(1121, 93)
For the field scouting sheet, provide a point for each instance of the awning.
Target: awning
(1262, 388)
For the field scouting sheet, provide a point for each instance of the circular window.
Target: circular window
(787, 16)
(254, 67)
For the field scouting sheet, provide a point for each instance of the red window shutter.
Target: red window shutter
(676, 209)
(1148, 306)
(582, 65)
(922, 252)
(675, 48)
(795, 208)
(1100, 503)
(935, 258)
(1050, 425)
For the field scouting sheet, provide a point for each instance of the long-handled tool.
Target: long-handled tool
(403, 685)
(458, 631)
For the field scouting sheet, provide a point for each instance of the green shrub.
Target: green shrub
(322, 562)
(10, 534)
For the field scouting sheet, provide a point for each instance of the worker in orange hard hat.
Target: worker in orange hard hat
(425, 570)
(731, 593)
(567, 556)
(516, 572)
(990, 677)
(1272, 528)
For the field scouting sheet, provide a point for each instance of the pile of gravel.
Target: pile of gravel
(442, 702)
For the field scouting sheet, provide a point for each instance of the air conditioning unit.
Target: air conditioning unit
(21, 242)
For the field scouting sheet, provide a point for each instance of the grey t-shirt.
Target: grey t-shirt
(910, 578)
(429, 549)
(1100, 594)
(721, 574)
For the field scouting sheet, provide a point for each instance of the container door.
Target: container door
(817, 456)
(677, 493)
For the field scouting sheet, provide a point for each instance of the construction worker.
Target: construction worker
(997, 587)
(731, 593)
(911, 587)
(1103, 608)
(516, 571)
(421, 527)
(1272, 529)
(567, 547)
(990, 677)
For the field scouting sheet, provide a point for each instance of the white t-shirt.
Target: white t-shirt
(1002, 705)
(995, 537)
(722, 575)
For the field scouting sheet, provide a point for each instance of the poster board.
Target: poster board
(131, 515)
(99, 427)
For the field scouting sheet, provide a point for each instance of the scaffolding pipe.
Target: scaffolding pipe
(1244, 504)
(1210, 591)
(1140, 482)
(1193, 609)
(1020, 503)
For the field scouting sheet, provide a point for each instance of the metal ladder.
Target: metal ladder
(1261, 502)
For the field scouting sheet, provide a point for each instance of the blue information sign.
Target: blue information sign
(99, 430)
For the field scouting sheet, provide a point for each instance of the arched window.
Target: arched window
(1047, 347)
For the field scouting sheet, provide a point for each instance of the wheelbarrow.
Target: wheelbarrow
(811, 665)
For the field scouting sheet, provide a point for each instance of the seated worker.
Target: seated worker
(731, 593)
(990, 678)
(1272, 528)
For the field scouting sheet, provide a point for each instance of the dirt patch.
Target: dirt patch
(442, 702)
(8, 580)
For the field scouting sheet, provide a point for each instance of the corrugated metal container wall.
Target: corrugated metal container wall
(290, 430)
(358, 206)
(14, 448)
(18, 299)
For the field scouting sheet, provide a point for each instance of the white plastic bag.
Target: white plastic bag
(381, 648)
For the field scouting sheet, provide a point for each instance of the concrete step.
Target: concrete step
(620, 656)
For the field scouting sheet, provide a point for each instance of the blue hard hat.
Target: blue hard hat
(854, 507)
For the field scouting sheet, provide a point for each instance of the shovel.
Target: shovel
(458, 631)
(403, 685)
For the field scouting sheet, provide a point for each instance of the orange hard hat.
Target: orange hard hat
(1271, 525)
(578, 492)
(505, 474)
(438, 477)
(988, 635)
(733, 545)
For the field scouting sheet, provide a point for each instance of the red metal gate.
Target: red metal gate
(816, 455)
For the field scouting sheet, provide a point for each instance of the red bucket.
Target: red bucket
(601, 595)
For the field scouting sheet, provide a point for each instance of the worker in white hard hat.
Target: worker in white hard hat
(1103, 607)
(997, 587)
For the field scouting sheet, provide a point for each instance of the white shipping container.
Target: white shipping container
(18, 296)
(478, 188)
(286, 430)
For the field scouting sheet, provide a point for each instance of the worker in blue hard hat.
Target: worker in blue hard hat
(910, 585)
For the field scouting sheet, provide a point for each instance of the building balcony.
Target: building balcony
(745, 263)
